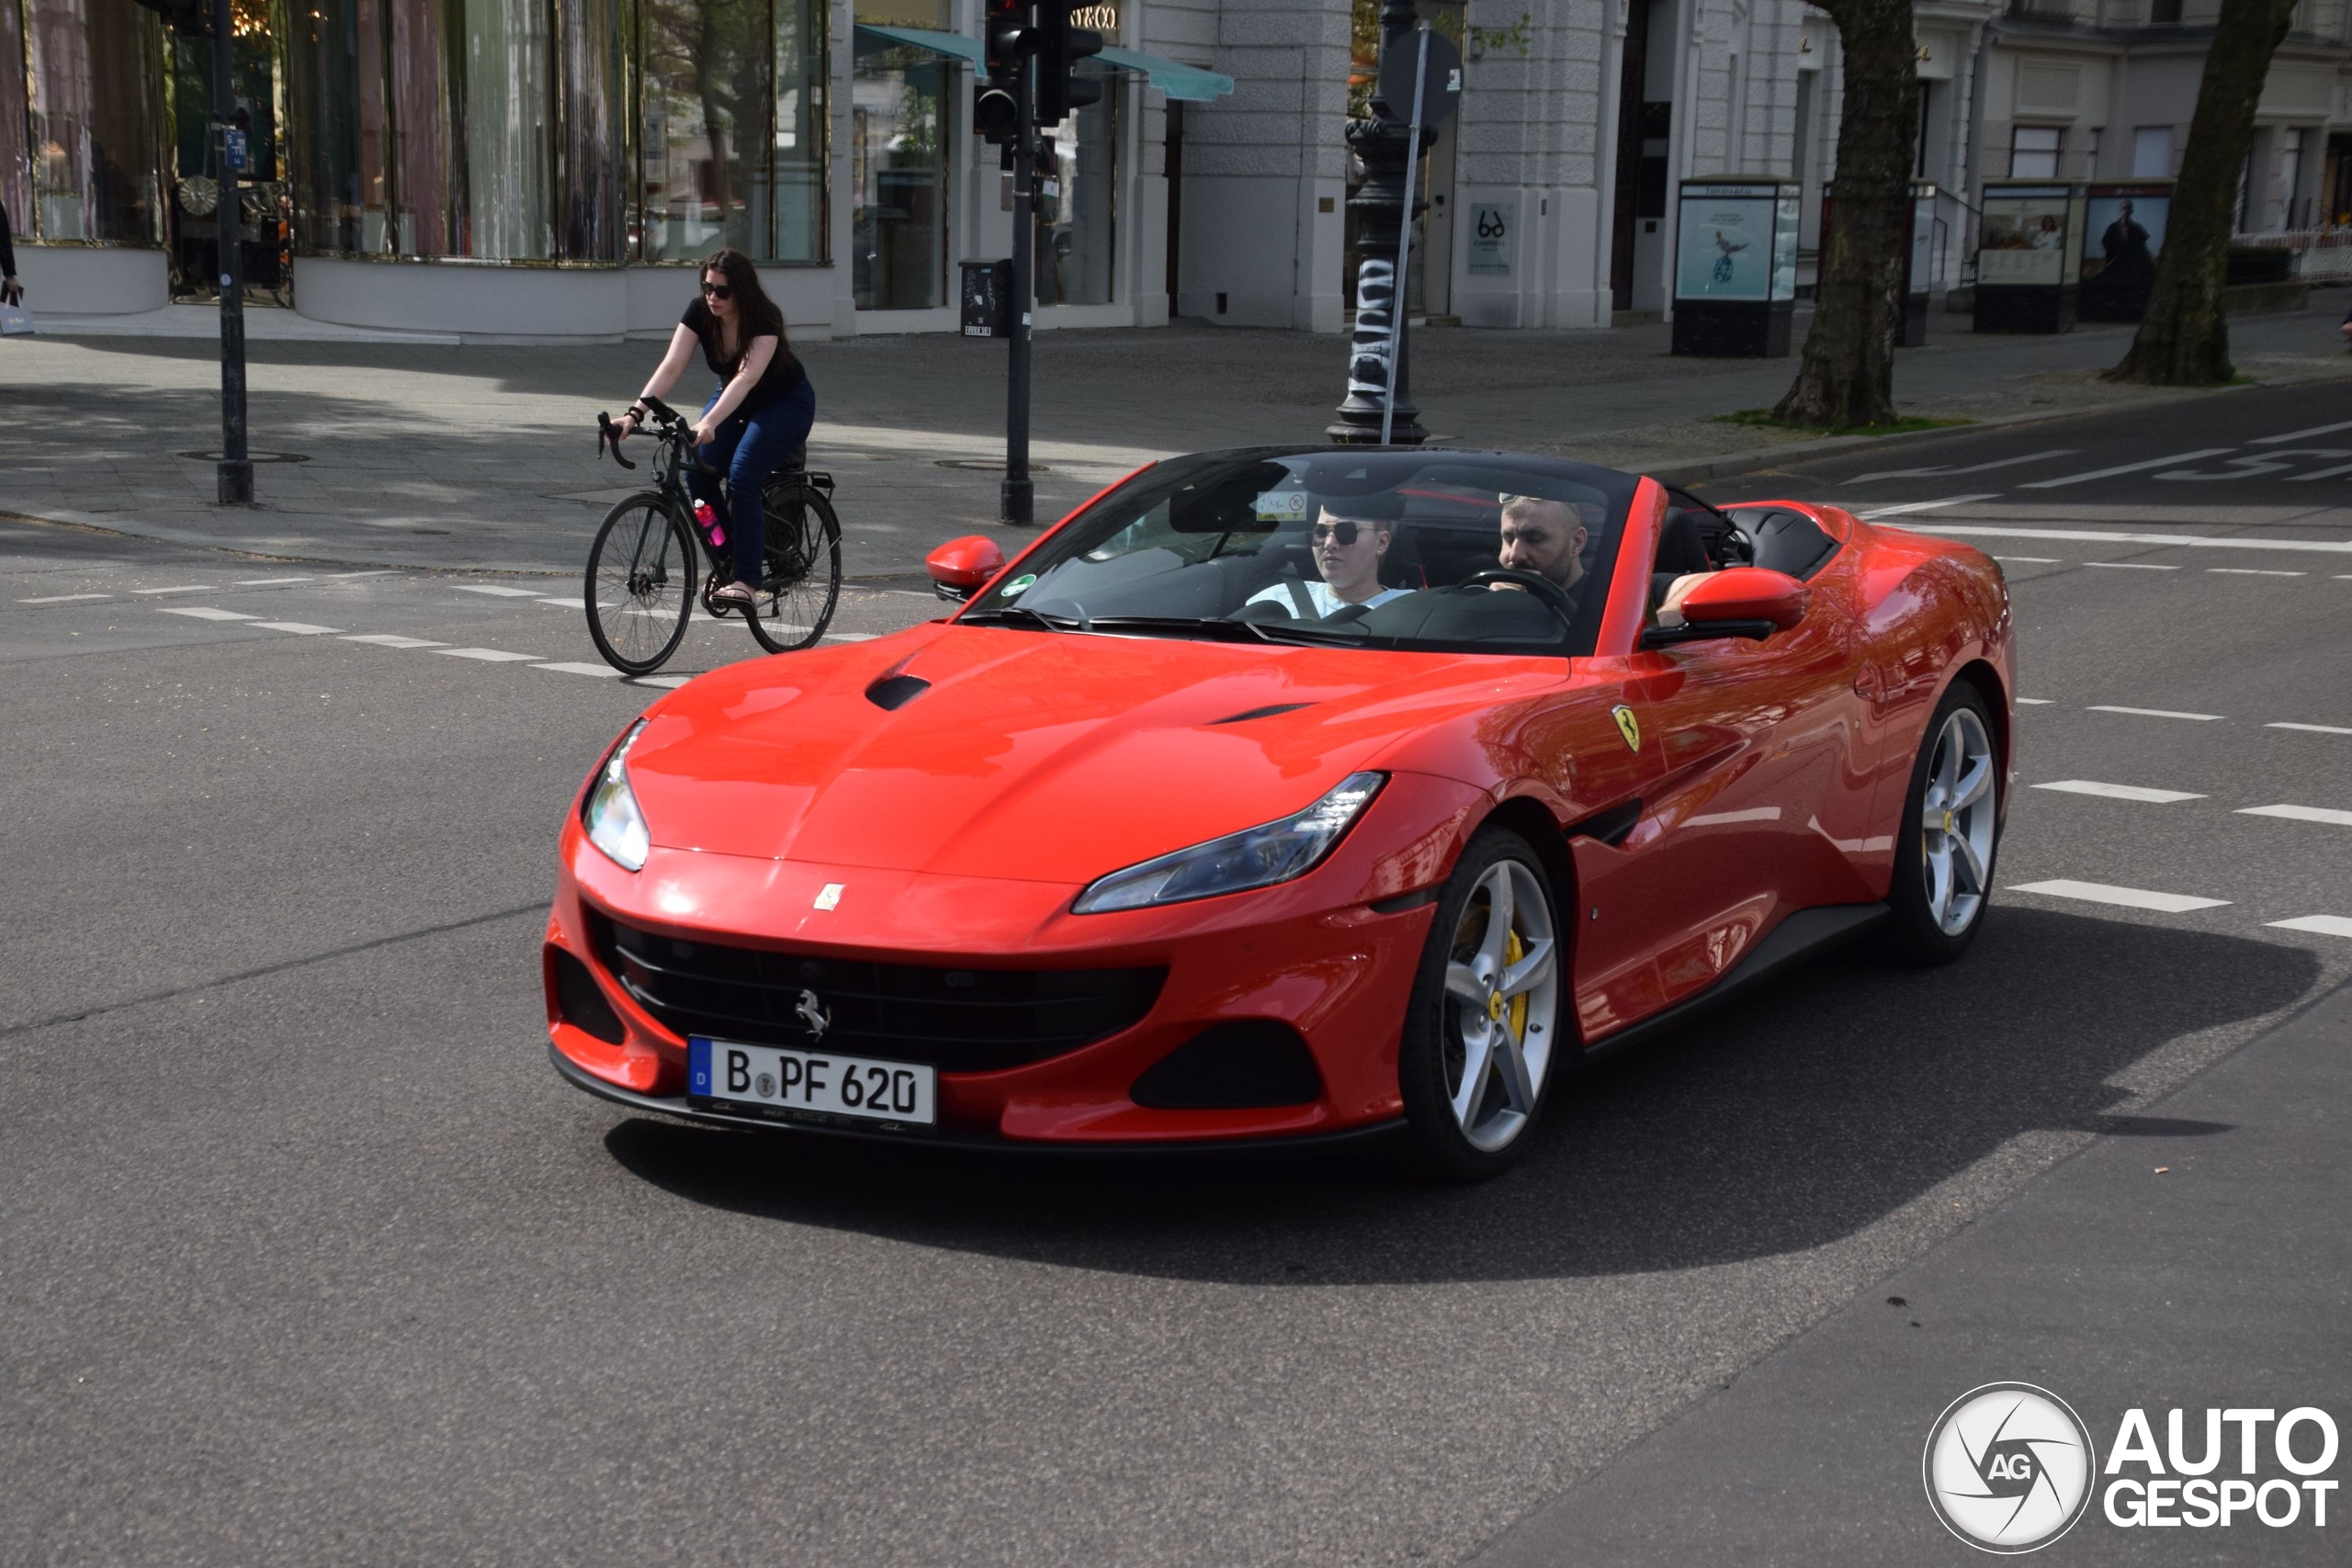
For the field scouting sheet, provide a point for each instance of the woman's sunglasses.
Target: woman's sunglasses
(716, 291)
(1339, 532)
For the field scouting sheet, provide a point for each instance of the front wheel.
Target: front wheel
(641, 584)
(1945, 843)
(1484, 1030)
(803, 579)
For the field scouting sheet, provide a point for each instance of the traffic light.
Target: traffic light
(1012, 34)
(189, 19)
(1061, 91)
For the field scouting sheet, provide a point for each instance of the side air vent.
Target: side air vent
(581, 1000)
(1231, 1066)
(896, 691)
(1260, 713)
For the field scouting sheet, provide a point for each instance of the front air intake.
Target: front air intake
(1246, 1064)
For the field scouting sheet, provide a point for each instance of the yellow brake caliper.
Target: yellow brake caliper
(1512, 1013)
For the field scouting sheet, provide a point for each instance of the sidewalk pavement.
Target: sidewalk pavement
(483, 458)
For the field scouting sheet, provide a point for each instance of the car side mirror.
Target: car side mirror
(961, 568)
(1742, 600)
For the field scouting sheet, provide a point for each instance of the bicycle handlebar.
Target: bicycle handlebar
(675, 427)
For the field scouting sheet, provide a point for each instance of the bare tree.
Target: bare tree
(2184, 339)
(1847, 375)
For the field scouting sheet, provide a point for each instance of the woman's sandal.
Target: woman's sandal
(738, 593)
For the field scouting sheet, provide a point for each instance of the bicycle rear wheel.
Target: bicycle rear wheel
(641, 584)
(803, 581)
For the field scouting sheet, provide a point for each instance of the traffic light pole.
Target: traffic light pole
(235, 469)
(1018, 501)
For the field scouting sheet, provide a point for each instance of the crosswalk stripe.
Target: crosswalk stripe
(64, 598)
(386, 639)
(2300, 814)
(300, 628)
(2157, 713)
(497, 593)
(2121, 792)
(493, 655)
(2314, 728)
(201, 613)
(575, 668)
(2126, 897)
(2325, 925)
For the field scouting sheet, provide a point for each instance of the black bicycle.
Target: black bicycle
(642, 569)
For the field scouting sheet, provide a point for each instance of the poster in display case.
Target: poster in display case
(1735, 267)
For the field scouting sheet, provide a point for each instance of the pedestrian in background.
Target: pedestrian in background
(11, 291)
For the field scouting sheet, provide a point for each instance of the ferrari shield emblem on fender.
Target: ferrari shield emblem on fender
(1628, 726)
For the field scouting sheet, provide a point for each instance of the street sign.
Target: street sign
(233, 152)
(1441, 95)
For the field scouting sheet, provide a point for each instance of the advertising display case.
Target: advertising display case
(1736, 267)
(2029, 259)
(2123, 233)
(1919, 253)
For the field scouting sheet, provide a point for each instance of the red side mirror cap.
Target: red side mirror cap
(1747, 593)
(961, 568)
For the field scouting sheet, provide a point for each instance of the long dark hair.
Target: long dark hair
(759, 314)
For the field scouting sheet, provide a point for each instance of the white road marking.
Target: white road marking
(2129, 898)
(493, 655)
(266, 582)
(385, 639)
(202, 614)
(2300, 435)
(302, 628)
(2156, 713)
(851, 636)
(64, 598)
(2133, 565)
(374, 572)
(497, 593)
(2035, 702)
(574, 668)
(582, 604)
(2122, 792)
(2326, 925)
(672, 681)
(2115, 536)
(2300, 814)
(2036, 560)
(2127, 469)
(1972, 469)
(189, 588)
(2255, 571)
(2314, 728)
(1877, 512)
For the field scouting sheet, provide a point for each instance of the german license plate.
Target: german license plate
(812, 1084)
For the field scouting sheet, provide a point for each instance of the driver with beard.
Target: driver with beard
(1547, 539)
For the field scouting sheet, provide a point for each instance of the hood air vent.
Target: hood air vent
(1261, 713)
(896, 691)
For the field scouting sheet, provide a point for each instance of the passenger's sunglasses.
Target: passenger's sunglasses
(718, 291)
(1339, 532)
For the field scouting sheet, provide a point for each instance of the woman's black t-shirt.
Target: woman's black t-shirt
(781, 380)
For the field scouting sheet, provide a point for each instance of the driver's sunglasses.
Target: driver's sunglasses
(718, 291)
(1339, 532)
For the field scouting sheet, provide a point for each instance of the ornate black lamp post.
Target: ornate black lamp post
(1384, 143)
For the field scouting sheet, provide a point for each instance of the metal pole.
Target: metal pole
(1379, 378)
(1018, 501)
(1405, 238)
(235, 471)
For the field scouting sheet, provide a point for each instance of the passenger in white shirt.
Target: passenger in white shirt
(1347, 553)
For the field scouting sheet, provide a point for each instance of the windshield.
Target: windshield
(1436, 550)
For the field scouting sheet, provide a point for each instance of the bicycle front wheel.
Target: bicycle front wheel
(803, 581)
(641, 584)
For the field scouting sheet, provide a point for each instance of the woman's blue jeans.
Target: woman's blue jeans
(750, 446)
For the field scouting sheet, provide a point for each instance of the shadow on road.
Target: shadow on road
(1785, 1122)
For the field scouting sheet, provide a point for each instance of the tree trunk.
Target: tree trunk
(2184, 339)
(1847, 377)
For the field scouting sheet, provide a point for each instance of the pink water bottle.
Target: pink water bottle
(709, 521)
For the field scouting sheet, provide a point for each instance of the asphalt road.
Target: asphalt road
(307, 1258)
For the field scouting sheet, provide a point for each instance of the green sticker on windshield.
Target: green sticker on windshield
(1019, 585)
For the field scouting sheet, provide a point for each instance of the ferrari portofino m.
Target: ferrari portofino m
(1288, 794)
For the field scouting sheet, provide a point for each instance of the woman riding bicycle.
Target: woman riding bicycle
(758, 416)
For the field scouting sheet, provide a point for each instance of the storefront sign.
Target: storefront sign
(1104, 19)
(1491, 236)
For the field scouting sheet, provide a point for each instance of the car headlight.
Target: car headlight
(615, 824)
(1256, 857)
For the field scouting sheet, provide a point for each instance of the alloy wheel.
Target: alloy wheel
(1956, 822)
(1503, 988)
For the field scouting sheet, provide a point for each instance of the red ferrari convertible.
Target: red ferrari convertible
(1283, 794)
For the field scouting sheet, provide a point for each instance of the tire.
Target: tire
(639, 588)
(803, 581)
(1470, 1115)
(1943, 870)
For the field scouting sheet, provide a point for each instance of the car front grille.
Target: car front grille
(959, 1020)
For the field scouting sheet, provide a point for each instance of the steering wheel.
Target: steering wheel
(1536, 583)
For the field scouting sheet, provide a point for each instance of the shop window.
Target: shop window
(91, 66)
(731, 137)
(2034, 151)
(1076, 210)
(16, 188)
(900, 129)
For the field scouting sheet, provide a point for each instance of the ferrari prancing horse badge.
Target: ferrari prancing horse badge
(1628, 726)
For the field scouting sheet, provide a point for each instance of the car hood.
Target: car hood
(1030, 755)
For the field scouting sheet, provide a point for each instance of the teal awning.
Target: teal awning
(956, 44)
(1187, 82)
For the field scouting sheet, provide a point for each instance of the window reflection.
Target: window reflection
(1078, 208)
(16, 190)
(706, 89)
(898, 160)
(91, 65)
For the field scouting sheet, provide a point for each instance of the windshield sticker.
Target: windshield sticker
(1019, 585)
(1282, 507)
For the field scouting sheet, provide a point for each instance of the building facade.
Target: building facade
(552, 169)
